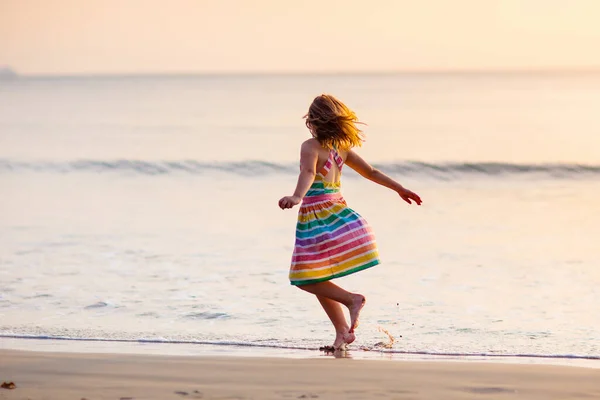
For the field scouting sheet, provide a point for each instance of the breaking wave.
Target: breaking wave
(442, 171)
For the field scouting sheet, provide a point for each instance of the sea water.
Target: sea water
(144, 210)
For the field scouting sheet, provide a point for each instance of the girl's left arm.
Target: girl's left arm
(308, 165)
(355, 162)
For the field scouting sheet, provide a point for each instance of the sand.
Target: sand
(48, 375)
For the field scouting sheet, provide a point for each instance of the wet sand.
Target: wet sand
(47, 375)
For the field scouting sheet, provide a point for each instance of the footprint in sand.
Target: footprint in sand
(193, 395)
(297, 395)
(488, 390)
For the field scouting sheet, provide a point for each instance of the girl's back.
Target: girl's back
(334, 174)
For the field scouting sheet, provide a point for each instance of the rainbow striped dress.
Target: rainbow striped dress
(332, 240)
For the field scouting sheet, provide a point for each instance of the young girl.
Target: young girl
(332, 240)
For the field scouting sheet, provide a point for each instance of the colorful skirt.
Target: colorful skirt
(332, 240)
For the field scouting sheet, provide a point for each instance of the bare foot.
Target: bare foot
(342, 339)
(349, 337)
(358, 302)
(339, 342)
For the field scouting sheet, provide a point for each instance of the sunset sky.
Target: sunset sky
(160, 36)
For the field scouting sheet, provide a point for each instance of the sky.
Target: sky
(58, 37)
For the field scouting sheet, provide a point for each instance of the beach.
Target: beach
(49, 375)
(144, 220)
(174, 205)
(130, 219)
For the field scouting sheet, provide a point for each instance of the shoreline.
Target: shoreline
(55, 375)
(77, 346)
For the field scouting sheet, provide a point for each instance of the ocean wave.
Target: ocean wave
(441, 171)
(140, 167)
(306, 348)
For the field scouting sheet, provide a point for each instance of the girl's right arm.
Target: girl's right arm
(309, 156)
(358, 164)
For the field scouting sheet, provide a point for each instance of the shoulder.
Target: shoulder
(311, 146)
(311, 143)
(352, 158)
(309, 152)
(344, 153)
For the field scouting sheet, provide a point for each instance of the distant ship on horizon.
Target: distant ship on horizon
(7, 72)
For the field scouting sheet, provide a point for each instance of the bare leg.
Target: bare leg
(328, 289)
(338, 319)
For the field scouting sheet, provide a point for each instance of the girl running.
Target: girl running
(332, 240)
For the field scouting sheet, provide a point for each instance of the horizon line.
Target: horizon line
(427, 71)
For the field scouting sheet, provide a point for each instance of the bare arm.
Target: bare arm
(358, 164)
(309, 156)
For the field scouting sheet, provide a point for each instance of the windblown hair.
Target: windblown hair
(333, 124)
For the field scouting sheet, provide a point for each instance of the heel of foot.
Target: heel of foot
(357, 305)
(349, 338)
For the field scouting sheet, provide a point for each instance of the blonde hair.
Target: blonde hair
(333, 124)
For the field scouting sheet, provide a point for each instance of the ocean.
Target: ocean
(140, 212)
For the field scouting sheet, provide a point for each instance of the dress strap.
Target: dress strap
(325, 170)
(336, 157)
